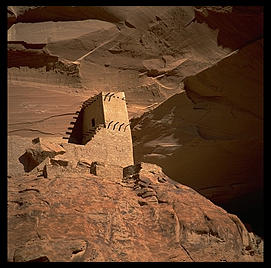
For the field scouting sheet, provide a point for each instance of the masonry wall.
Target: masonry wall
(118, 126)
(94, 111)
(111, 147)
(106, 146)
(115, 110)
(112, 142)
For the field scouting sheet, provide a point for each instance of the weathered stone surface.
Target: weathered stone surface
(47, 146)
(106, 170)
(77, 217)
(84, 163)
(134, 169)
(209, 138)
(39, 169)
(52, 171)
(37, 251)
(131, 170)
(38, 152)
(59, 160)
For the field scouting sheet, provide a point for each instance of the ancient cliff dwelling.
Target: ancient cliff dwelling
(135, 134)
(103, 126)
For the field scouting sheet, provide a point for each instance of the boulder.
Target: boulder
(51, 171)
(142, 170)
(46, 146)
(60, 160)
(39, 169)
(38, 152)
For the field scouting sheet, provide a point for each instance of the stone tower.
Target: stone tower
(103, 128)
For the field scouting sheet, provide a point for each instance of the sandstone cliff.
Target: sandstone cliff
(211, 136)
(142, 216)
(194, 84)
(76, 52)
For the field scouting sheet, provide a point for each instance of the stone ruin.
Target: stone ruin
(100, 137)
(103, 126)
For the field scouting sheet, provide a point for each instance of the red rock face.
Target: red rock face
(193, 82)
(237, 25)
(143, 217)
(211, 136)
(81, 51)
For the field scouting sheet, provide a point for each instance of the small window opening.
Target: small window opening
(93, 122)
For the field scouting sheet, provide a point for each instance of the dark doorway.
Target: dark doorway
(93, 122)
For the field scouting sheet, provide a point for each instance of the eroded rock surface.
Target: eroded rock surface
(38, 152)
(210, 137)
(145, 216)
(73, 53)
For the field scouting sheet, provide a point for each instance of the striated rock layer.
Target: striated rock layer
(74, 53)
(144, 216)
(210, 137)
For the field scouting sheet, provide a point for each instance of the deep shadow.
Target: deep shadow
(250, 209)
(241, 26)
(40, 259)
(32, 59)
(76, 135)
(28, 162)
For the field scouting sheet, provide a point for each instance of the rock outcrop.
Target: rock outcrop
(40, 150)
(193, 79)
(144, 51)
(144, 216)
(237, 25)
(210, 137)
